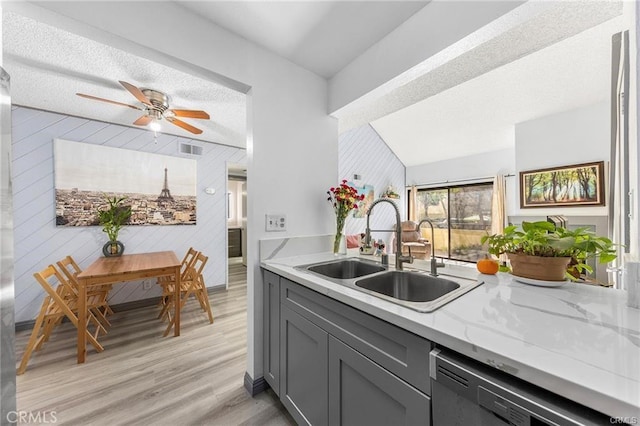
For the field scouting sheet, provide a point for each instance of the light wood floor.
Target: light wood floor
(142, 378)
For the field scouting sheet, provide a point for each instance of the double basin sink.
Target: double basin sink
(415, 290)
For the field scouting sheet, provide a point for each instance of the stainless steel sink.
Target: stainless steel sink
(346, 268)
(415, 290)
(409, 286)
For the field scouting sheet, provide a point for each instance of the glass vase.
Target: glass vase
(339, 244)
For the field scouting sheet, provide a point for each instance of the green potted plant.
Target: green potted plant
(112, 219)
(542, 251)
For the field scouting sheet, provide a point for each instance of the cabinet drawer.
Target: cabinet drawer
(374, 396)
(399, 351)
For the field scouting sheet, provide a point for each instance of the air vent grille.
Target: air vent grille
(186, 148)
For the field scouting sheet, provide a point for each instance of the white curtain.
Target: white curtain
(498, 209)
(413, 203)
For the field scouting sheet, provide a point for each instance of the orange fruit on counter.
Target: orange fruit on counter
(487, 266)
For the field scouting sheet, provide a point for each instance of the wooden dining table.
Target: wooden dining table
(125, 268)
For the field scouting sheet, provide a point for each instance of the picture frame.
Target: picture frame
(160, 189)
(363, 206)
(577, 185)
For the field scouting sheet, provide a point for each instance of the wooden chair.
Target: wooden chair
(191, 283)
(165, 281)
(412, 242)
(61, 301)
(97, 296)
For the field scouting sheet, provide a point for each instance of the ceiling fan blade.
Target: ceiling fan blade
(187, 127)
(143, 121)
(190, 113)
(136, 92)
(95, 98)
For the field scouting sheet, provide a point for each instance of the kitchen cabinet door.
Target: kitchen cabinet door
(364, 393)
(271, 330)
(303, 373)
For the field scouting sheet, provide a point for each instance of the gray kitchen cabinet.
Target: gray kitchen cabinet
(235, 242)
(364, 393)
(339, 365)
(397, 350)
(304, 353)
(271, 330)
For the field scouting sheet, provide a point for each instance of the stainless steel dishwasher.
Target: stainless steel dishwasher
(465, 392)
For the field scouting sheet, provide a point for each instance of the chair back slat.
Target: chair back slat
(70, 269)
(187, 262)
(195, 268)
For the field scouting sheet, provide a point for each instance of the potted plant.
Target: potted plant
(112, 219)
(543, 251)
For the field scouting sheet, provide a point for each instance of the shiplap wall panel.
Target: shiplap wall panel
(38, 242)
(363, 152)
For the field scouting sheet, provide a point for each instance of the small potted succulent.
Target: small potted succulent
(543, 251)
(112, 219)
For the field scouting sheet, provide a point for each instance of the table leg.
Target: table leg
(178, 302)
(82, 322)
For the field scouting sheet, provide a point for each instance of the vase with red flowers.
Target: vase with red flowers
(343, 198)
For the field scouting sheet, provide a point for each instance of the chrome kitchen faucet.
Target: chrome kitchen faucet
(400, 259)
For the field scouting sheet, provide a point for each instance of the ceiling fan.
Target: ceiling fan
(155, 107)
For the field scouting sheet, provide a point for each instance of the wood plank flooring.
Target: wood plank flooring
(142, 378)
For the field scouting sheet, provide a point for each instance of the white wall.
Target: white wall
(292, 147)
(578, 136)
(39, 243)
(570, 137)
(363, 152)
(470, 167)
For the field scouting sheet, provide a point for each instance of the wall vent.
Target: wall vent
(186, 148)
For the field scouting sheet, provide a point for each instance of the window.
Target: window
(461, 215)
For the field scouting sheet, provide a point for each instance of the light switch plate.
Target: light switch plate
(275, 222)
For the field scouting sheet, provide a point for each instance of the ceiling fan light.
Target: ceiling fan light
(154, 125)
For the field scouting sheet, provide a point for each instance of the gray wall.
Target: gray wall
(38, 242)
(362, 151)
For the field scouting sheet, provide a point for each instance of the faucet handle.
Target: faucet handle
(406, 259)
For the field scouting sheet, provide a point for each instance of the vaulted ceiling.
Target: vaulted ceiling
(449, 112)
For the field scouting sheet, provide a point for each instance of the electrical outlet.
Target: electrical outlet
(146, 285)
(275, 222)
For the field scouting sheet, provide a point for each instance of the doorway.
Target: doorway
(236, 200)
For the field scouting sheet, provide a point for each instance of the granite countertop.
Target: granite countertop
(579, 341)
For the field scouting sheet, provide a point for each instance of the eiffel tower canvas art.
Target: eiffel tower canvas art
(165, 195)
(86, 174)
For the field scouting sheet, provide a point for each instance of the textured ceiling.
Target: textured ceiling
(321, 36)
(454, 105)
(479, 115)
(48, 66)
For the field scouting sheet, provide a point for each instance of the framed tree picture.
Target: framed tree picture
(566, 186)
